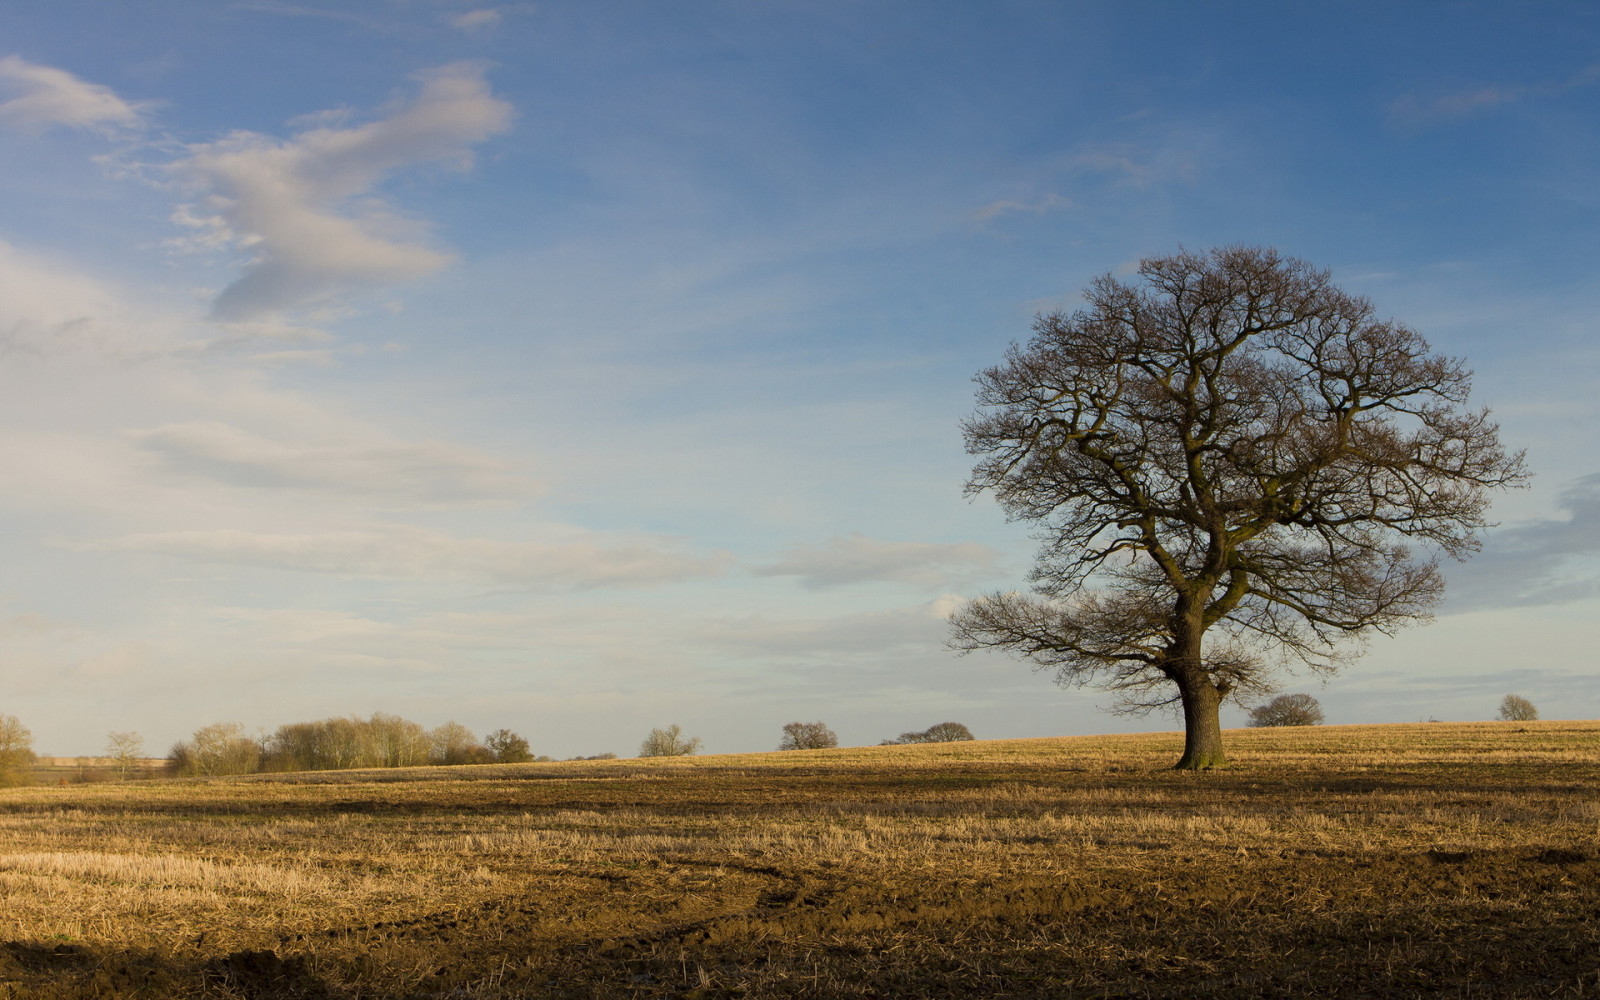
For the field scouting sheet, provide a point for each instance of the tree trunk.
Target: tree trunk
(1202, 723)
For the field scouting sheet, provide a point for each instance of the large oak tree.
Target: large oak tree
(1229, 462)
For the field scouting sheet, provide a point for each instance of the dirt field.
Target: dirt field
(1458, 860)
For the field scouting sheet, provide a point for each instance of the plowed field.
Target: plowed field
(1458, 860)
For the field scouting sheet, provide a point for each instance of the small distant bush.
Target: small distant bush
(944, 732)
(668, 742)
(599, 756)
(1288, 710)
(807, 736)
(1515, 708)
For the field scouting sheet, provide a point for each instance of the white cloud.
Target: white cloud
(1010, 206)
(399, 472)
(473, 20)
(393, 551)
(1447, 105)
(303, 209)
(857, 559)
(864, 633)
(49, 309)
(1537, 562)
(52, 96)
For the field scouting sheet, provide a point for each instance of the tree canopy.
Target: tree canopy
(1288, 710)
(807, 736)
(1229, 445)
(1515, 708)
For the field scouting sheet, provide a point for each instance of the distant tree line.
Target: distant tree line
(944, 732)
(341, 743)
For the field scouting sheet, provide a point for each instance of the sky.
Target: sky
(581, 368)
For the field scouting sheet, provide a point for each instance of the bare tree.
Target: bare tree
(1515, 708)
(507, 747)
(1288, 710)
(16, 750)
(220, 748)
(124, 748)
(454, 744)
(807, 736)
(668, 742)
(1226, 461)
(944, 732)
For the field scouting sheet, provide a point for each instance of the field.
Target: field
(1458, 860)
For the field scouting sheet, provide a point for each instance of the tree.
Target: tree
(1226, 462)
(1288, 710)
(390, 741)
(1515, 708)
(454, 744)
(944, 732)
(668, 742)
(507, 747)
(220, 748)
(16, 750)
(124, 748)
(807, 736)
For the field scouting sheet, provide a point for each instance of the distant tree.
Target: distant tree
(453, 743)
(507, 747)
(16, 750)
(807, 736)
(668, 742)
(608, 755)
(1288, 710)
(220, 748)
(125, 749)
(944, 732)
(1227, 459)
(1515, 708)
(390, 741)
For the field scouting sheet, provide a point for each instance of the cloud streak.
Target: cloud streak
(858, 559)
(1536, 563)
(400, 552)
(399, 472)
(50, 96)
(1416, 108)
(304, 209)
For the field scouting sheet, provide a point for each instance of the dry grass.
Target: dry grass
(1426, 860)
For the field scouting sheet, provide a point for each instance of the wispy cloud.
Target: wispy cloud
(476, 20)
(1422, 109)
(48, 96)
(858, 559)
(400, 552)
(304, 210)
(397, 472)
(1008, 206)
(1550, 561)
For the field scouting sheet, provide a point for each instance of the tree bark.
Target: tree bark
(1202, 723)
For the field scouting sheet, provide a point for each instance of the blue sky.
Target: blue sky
(580, 368)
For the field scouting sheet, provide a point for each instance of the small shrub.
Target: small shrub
(1288, 710)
